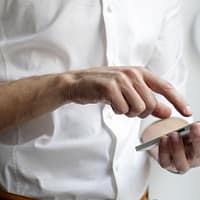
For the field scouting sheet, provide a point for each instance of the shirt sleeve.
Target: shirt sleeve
(167, 60)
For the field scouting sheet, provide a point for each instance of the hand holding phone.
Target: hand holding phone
(154, 142)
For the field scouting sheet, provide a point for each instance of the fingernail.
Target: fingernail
(188, 110)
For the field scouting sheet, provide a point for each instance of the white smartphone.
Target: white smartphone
(154, 142)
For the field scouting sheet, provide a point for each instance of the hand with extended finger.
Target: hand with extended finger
(129, 90)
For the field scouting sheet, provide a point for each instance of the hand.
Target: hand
(180, 153)
(129, 90)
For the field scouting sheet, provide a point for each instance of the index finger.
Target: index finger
(164, 88)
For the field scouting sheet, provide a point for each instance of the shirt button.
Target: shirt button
(116, 167)
(109, 9)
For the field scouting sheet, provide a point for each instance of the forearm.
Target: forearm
(25, 99)
(159, 128)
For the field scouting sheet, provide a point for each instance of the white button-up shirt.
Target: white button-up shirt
(82, 152)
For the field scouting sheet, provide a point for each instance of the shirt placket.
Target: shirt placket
(108, 115)
(109, 31)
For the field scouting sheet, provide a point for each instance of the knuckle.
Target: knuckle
(133, 72)
(150, 107)
(140, 108)
(122, 110)
(111, 86)
(136, 73)
(142, 69)
(128, 71)
(120, 76)
(107, 91)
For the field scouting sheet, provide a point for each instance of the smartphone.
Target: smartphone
(154, 142)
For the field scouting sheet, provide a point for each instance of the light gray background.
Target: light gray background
(165, 186)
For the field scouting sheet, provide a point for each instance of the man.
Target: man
(72, 106)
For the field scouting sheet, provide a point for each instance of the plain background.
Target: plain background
(166, 186)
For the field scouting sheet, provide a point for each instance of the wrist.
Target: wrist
(67, 81)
